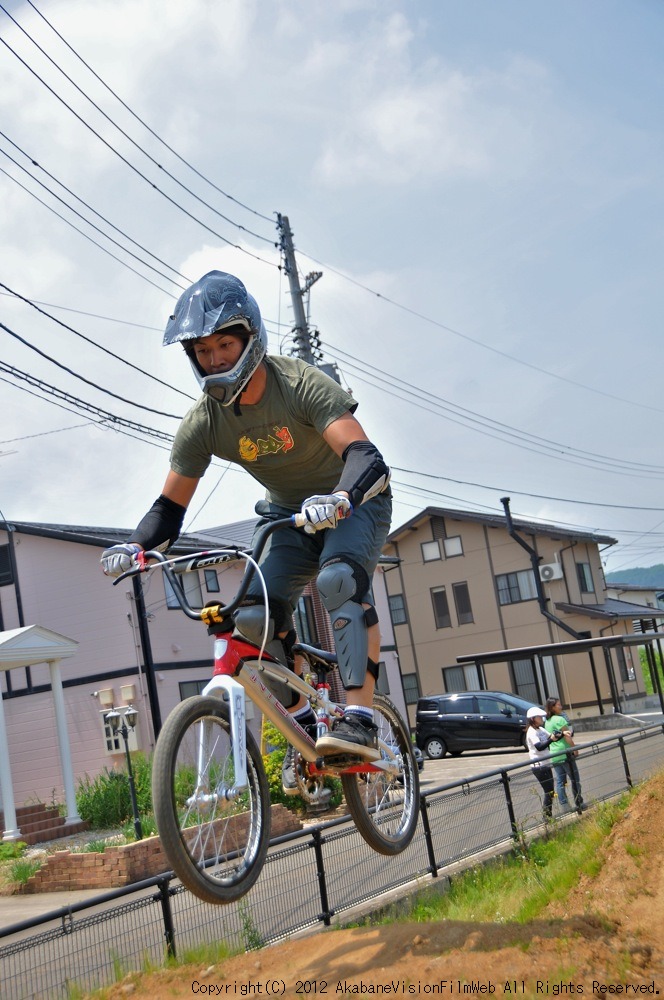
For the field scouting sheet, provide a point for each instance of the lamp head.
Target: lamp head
(131, 716)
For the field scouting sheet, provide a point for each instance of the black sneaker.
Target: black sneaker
(288, 779)
(352, 735)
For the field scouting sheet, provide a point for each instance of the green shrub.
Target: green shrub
(11, 849)
(105, 801)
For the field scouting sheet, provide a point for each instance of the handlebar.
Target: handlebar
(214, 557)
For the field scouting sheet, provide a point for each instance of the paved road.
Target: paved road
(14, 909)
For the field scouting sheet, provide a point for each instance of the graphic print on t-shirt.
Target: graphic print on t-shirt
(280, 440)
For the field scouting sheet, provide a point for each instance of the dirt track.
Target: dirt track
(608, 939)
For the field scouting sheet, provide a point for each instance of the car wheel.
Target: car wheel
(435, 748)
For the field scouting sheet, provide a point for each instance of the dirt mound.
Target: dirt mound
(606, 940)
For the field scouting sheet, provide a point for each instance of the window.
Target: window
(6, 575)
(305, 621)
(397, 609)
(211, 581)
(453, 546)
(466, 678)
(411, 688)
(516, 587)
(626, 672)
(441, 610)
(585, 578)
(430, 551)
(189, 688)
(192, 589)
(462, 602)
(460, 704)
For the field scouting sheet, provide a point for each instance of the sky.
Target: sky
(480, 184)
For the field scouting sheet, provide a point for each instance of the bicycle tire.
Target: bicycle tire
(385, 808)
(215, 840)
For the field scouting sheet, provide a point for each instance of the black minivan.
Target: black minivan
(470, 720)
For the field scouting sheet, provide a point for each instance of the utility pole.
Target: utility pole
(304, 342)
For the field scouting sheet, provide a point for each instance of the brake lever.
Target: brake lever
(140, 566)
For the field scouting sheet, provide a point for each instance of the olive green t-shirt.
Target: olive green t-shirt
(278, 440)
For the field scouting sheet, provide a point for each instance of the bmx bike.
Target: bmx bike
(209, 788)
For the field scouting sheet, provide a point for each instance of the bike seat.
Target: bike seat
(314, 655)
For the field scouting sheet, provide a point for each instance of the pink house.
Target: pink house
(134, 645)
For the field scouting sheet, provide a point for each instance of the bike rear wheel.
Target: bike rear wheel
(214, 836)
(384, 806)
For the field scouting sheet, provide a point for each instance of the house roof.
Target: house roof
(499, 521)
(610, 608)
(103, 537)
(237, 533)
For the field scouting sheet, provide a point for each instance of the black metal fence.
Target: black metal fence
(309, 877)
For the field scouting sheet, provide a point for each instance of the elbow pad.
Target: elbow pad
(161, 525)
(365, 473)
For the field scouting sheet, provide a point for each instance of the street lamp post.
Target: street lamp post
(122, 724)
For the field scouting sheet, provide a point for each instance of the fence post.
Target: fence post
(326, 914)
(510, 805)
(164, 897)
(428, 839)
(623, 754)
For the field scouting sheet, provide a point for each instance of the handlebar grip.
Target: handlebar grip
(299, 519)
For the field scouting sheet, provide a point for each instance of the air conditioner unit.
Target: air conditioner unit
(550, 571)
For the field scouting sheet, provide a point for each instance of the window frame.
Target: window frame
(462, 616)
(392, 600)
(440, 620)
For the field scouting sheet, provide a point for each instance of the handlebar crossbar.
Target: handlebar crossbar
(173, 568)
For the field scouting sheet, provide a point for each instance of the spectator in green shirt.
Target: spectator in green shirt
(563, 759)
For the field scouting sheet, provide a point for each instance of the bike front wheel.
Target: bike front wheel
(384, 804)
(214, 835)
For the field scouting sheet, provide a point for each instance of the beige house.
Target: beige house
(468, 584)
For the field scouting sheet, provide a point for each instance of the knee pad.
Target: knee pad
(341, 595)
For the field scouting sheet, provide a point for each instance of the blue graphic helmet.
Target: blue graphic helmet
(213, 303)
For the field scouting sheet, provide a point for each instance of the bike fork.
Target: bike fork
(238, 718)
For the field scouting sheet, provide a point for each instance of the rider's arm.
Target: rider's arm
(163, 522)
(365, 473)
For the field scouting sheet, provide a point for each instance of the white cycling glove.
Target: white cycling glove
(119, 558)
(325, 511)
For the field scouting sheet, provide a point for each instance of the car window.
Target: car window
(459, 705)
(427, 705)
(495, 706)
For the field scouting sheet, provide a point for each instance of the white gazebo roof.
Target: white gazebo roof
(22, 647)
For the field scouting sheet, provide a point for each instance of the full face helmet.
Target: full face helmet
(216, 302)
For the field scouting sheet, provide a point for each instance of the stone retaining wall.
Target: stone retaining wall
(119, 866)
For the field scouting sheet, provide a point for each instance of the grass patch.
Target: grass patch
(517, 887)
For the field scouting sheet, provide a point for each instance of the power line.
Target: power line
(111, 418)
(464, 417)
(89, 207)
(475, 341)
(129, 164)
(522, 493)
(136, 145)
(94, 343)
(85, 235)
(145, 125)
(82, 378)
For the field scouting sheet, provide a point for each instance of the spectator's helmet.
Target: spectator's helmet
(219, 301)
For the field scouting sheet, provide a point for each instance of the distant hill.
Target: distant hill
(642, 576)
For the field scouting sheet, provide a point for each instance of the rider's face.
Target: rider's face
(218, 352)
